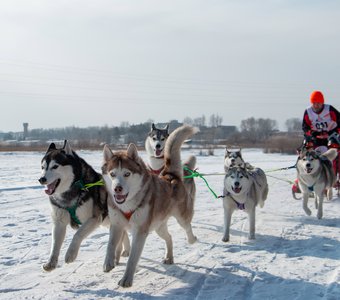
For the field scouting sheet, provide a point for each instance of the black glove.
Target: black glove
(334, 138)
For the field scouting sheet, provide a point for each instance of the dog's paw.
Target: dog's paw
(307, 211)
(192, 239)
(125, 282)
(319, 215)
(125, 253)
(251, 236)
(50, 266)
(71, 255)
(168, 260)
(225, 239)
(108, 266)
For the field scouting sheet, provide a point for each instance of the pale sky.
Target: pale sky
(101, 62)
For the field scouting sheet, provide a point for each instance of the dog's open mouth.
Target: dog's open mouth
(158, 152)
(236, 189)
(52, 187)
(309, 170)
(120, 199)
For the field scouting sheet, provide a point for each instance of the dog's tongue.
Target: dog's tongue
(158, 152)
(120, 197)
(237, 190)
(51, 187)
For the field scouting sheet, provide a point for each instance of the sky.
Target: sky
(101, 63)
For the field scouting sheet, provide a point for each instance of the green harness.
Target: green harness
(83, 187)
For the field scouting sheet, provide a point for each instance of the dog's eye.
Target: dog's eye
(154, 139)
(127, 174)
(55, 167)
(112, 174)
(162, 139)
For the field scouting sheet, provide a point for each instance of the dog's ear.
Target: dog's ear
(132, 151)
(51, 147)
(166, 127)
(107, 153)
(153, 127)
(67, 148)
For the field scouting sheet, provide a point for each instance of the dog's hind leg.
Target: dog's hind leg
(84, 230)
(58, 236)
(186, 225)
(126, 244)
(163, 232)
(305, 204)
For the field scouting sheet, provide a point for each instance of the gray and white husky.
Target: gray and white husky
(142, 201)
(315, 174)
(154, 147)
(78, 198)
(232, 159)
(244, 189)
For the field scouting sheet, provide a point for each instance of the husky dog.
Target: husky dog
(315, 174)
(244, 189)
(143, 201)
(232, 158)
(78, 198)
(154, 147)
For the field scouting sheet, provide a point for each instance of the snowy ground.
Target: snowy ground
(293, 257)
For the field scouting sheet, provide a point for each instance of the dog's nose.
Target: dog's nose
(308, 165)
(42, 180)
(118, 189)
(158, 146)
(233, 160)
(237, 184)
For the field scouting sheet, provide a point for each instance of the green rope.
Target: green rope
(82, 186)
(194, 173)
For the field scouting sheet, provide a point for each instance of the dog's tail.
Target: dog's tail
(172, 153)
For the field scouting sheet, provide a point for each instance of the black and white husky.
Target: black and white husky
(232, 159)
(244, 189)
(154, 147)
(78, 197)
(315, 174)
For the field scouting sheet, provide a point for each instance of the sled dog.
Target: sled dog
(154, 147)
(78, 198)
(315, 174)
(142, 201)
(232, 158)
(244, 189)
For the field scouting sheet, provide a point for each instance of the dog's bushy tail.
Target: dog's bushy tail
(172, 150)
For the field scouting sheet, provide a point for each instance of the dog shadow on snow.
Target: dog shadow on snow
(229, 281)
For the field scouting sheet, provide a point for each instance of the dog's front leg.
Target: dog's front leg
(320, 205)
(58, 236)
(251, 216)
(138, 241)
(89, 226)
(305, 203)
(228, 211)
(116, 233)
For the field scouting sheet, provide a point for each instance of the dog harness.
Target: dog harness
(240, 206)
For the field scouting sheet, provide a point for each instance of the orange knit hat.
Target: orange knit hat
(317, 97)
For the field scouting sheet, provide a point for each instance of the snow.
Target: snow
(294, 256)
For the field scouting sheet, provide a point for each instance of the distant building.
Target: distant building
(25, 134)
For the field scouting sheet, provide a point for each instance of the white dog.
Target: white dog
(244, 189)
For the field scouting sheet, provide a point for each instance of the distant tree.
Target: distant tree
(215, 120)
(255, 130)
(293, 125)
(188, 120)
